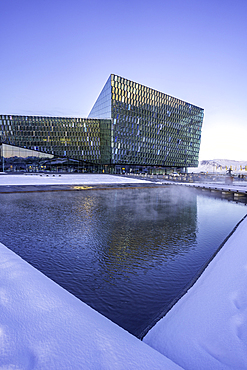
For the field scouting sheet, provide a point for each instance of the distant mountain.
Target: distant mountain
(220, 166)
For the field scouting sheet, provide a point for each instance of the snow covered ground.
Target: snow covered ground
(42, 326)
(66, 179)
(207, 328)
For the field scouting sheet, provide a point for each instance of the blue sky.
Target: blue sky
(57, 55)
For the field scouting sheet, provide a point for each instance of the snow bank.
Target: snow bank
(42, 326)
(207, 328)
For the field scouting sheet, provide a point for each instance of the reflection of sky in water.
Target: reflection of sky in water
(127, 253)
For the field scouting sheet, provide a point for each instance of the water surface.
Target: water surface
(128, 253)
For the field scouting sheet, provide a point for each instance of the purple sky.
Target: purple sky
(56, 56)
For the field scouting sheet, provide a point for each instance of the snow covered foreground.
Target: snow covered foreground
(42, 326)
(207, 328)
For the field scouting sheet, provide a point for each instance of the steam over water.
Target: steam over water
(127, 253)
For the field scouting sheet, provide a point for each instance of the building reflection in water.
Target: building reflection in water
(127, 253)
(146, 230)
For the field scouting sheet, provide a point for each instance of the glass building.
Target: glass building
(130, 126)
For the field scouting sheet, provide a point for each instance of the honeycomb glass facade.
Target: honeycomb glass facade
(129, 124)
(76, 138)
(152, 128)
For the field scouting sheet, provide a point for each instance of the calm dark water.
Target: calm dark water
(127, 253)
